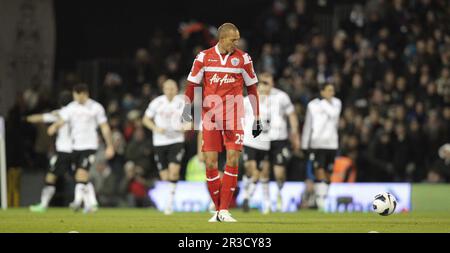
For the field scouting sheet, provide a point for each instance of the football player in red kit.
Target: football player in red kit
(224, 70)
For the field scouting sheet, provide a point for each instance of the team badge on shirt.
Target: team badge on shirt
(235, 62)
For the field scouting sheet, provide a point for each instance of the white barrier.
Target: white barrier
(194, 196)
(3, 188)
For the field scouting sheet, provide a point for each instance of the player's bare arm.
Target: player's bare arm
(52, 129)
(41, 118)
(35, 118)
(187, 126)
(107, 136)
(295, 136)
(254, 101)
(150, 124)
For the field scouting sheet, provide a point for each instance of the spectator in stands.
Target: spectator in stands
(119, 143)
(105, 183)
(140, 71)
(418, 148)
(440, 170)
(389, 61)
(139, 149)
(135, 186)
(112, 88)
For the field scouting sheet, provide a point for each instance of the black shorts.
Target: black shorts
(60, 163)
(254, 154)
(83, 159)
(172, 153)
(279, 152)
(322, 158)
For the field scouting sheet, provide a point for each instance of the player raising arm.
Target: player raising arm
(83, 116)
(60, 162)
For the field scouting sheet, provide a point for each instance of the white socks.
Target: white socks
(47, 194)
(280, 185)
(91, 198)
(170, 199)
(246, 182)
(85, 193)
(251, 189)
(321, 190)
(265, 188)
(80, 190)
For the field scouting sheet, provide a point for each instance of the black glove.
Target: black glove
(257, 128)
(186, 116)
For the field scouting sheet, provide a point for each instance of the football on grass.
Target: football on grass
(384, 204)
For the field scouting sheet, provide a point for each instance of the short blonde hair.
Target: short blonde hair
(170, 81)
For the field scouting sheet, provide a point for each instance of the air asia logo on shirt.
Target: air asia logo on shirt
(216, 79)
(235, 62)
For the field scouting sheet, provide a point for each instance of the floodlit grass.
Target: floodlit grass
(63, 220)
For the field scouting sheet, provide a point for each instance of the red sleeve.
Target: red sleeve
(254, 99)
(249, 74)
(189, 92)
(196, 74)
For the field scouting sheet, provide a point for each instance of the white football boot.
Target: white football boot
(215, 217)
(225, 216)
(168, 210)
(74, 206)
(266, 207)
(90, 209)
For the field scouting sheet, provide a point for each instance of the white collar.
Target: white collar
(88, 101)
(224, 60)
(169, 101)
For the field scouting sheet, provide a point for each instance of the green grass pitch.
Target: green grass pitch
(63, 220)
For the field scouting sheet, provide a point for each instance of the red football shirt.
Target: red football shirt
(223, 79)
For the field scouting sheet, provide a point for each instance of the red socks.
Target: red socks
(229, 183)
(213, 181)
(222, 194)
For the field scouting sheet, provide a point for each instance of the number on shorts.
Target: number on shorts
(240, 139)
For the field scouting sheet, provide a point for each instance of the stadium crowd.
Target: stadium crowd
(389, 62)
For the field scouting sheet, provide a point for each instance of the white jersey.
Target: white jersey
(262, 141)
(83, 120)
(320, 130)
(280, 107)
(167, 114)
(63, 140)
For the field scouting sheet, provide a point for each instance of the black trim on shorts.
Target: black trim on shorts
(83, 159)
(254, 154)
(279, 153)
(323, 158)
(60, 163)
(166, 154)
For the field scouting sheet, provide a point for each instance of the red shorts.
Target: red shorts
(214, 140)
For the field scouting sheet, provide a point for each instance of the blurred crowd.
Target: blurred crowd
(389, 61)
